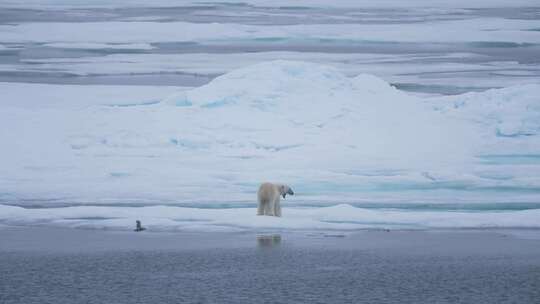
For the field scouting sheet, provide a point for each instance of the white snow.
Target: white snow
(336, 218)
(510, 112)
(333, 138)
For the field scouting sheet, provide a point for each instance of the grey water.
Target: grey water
(99, 267)
(523, 59)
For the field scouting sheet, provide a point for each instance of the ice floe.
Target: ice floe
(336, 218)
(333, 137)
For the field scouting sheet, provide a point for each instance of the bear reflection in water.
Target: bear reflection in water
(268, 241)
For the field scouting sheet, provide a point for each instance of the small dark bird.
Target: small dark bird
(139, 228)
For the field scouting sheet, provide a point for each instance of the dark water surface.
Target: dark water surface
(73, 266)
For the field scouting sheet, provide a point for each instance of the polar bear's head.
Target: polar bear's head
(284, 190)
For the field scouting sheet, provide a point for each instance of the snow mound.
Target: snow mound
(299, 104)
(265, 83)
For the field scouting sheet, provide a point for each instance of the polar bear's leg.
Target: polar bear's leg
(260, 208)
(269, 208)
(277, 208)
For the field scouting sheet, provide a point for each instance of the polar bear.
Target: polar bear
(268, 197)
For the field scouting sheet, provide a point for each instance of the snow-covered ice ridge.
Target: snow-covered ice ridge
(333, 138)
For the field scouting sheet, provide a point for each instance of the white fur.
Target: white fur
(269, 198)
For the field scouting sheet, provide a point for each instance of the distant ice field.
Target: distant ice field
(419, 46)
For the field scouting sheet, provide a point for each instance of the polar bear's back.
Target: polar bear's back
(268, 192)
